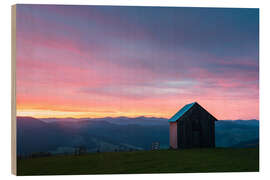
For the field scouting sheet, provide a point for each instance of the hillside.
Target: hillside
(110, 134)
(248, 144)
(163, 161)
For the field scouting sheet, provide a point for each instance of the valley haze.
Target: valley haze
(62, 135)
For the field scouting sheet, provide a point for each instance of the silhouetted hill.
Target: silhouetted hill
(117, 120)
(247, 144)
(34, 135)
(29, 123)
(229, 132)
(110, 134)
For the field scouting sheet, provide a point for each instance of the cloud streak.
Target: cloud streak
(136, 60)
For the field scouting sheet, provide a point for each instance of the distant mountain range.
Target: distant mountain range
(62, 135)
(118, 120)
(230, 133)
(247, 144)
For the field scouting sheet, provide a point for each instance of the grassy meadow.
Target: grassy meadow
(161, 161)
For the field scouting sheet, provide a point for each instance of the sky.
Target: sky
(105, 61)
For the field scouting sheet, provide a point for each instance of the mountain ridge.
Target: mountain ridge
(35, 135)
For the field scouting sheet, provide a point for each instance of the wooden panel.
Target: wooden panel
(180, 134)
(173, 135)
(196, 142)
(13, 92)
(196, 129)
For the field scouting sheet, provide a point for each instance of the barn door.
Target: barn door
(196, 139)
(196, 133)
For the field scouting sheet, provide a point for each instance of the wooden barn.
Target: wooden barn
(192, 127)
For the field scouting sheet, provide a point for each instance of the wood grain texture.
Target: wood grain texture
(195, 129)
(13, 92)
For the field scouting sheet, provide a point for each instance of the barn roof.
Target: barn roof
(181, 112)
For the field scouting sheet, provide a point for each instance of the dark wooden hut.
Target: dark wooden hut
(192, 127)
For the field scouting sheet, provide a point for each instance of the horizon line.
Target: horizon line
(123, 117)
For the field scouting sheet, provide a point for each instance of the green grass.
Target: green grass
(163, 161)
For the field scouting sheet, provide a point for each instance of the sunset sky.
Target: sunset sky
(99, 61)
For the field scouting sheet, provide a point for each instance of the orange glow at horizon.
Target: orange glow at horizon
(36, 113)
(222, 110)
(94, 62)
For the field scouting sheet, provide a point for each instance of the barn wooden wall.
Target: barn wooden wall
(196, 129)
(173, 135)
